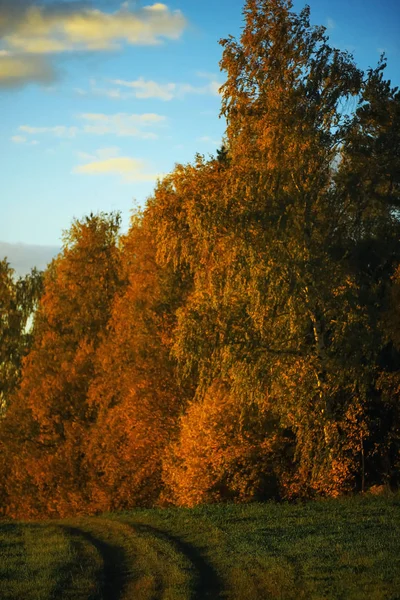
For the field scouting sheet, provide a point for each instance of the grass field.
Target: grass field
(339, 549)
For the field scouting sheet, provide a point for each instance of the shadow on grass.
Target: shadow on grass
(207, 583)
(113, 576)
(9, 531)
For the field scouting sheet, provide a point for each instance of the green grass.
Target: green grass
(333, 549)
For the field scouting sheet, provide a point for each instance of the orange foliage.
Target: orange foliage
(79, 288)
(135, 394)
(232, 346)
(226, 450)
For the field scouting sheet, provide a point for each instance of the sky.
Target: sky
(99, 99)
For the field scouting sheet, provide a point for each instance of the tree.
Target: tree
(386, 442)
(18, 302)
(47, 442)
(278, 306)
(367, 183)
(225, 451)
(135, 393)
(242, 339)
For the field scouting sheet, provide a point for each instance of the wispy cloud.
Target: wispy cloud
(119, 124)
(61, 131)
(80, 92)
(106, 161)
(101, 153)
(122, 124)
(206, 139)
(330, 23)
(30, 32)
(20, 139)
(114, 94)
(96, 89)
(143, 89)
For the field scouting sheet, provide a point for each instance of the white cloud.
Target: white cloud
(105, 153)
(187, 88)
(42, 30)
(85, 156)
(206, 139)
(106, 161)
(20, 139)
(101, 153)
(214, 87)
(115, 94)
(143, 89)
(148, 89)
(119, 124)
(31, 32)
(97, 91)
(61, 131)
(158, 6)
(122, 124)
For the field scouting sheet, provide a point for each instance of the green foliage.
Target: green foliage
(18, 302)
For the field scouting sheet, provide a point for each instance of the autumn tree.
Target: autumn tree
(18, 302)
(50, 415)
(278, 306)
(242, 339)
(135, 393)
(226, 451)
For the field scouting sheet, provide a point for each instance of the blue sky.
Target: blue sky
(97, 100)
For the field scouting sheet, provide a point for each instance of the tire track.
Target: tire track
(207, 582)
(118, 559)
(114, 563)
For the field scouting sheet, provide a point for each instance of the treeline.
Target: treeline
(242, 340)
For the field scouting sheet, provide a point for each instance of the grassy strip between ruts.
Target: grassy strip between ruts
(41, 561)
(333, 549)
